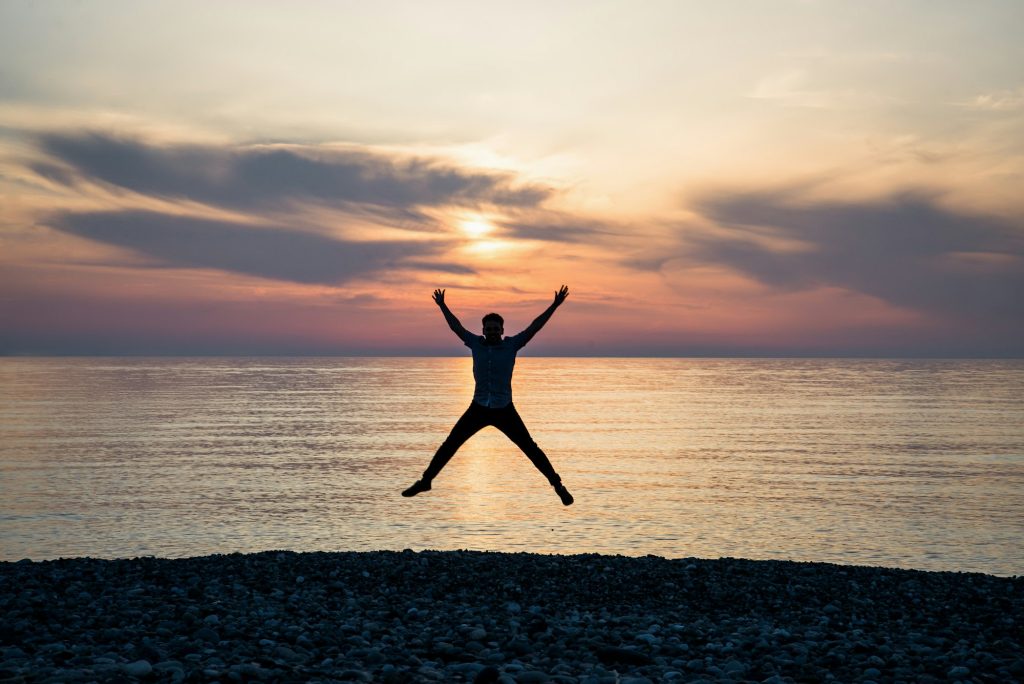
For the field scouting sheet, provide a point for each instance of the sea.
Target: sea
(898, 463)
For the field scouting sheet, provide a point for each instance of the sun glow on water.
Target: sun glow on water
(757, 458)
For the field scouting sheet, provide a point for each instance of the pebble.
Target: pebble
(140, 668)
(490, 618)
(206, 634)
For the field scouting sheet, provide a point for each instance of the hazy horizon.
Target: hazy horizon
(438, 355)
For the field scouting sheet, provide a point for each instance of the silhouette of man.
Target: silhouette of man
(494, 358)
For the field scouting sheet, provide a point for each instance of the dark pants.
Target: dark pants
(505, 419)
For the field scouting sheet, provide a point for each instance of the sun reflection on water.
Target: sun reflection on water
(914, 464)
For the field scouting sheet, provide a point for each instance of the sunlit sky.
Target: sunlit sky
(729, 178)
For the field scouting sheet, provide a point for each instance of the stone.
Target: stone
(285, 653)
(140, 668)
(613, 654)
(464, 616)
(206, 634)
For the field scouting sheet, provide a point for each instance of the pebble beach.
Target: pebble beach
(467, 616)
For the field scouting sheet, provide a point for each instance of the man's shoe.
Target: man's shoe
(421, 486)
(564, 494)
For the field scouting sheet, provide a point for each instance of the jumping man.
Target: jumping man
(494, 358)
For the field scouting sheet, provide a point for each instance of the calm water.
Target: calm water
(914, 464)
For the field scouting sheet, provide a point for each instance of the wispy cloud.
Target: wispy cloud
(998, 101)
(263, 217)
(559, 229)
(795, 88)
(906, 250)
(247, 177)
(280, 252)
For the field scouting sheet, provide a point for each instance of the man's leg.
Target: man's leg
(512, 425)
(471, 422)
(509, 422)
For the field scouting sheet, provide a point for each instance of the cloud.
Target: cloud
(999, 101)
(556, 231)
(906, 250)
(248, 177)
(793, 88)
(280, 188)
(280, 253)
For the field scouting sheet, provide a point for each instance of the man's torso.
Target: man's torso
(492, 370)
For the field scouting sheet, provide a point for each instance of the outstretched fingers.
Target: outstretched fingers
(439, 296)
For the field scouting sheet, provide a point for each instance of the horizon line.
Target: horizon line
(751, 356)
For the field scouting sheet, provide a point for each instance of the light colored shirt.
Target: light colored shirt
(492, 367)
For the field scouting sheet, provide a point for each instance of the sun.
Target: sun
(481, 239)
(476, 227)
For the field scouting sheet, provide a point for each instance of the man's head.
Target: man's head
(494, 327)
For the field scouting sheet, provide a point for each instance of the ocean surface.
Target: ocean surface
(905, 463)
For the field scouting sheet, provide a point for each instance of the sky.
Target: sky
(739, 178)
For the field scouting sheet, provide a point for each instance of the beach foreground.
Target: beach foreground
(483, 616)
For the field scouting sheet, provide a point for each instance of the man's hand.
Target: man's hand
(453, 322)
(561, 295)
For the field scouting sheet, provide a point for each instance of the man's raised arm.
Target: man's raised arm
(453, 322)
(539, 322)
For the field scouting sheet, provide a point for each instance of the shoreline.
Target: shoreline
(404, 616)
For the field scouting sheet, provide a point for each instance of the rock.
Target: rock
(462, 616)
(140, 668)
(206, 634)
(468, 670)
(519, 645)
(285, 653)
(734, 668)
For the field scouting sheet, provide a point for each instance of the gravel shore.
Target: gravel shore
(498, 617)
